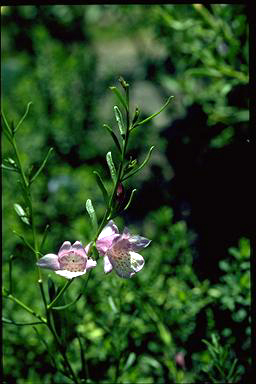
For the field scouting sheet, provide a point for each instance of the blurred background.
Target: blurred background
(191, 199)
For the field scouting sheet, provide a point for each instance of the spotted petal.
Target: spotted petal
(64, 248)
(68, 274)
(125, 263)
(49, 261)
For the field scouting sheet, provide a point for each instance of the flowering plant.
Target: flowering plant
(119, 250)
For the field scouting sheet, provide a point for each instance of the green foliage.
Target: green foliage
(234, 288)
(63, 58)
(222, 369)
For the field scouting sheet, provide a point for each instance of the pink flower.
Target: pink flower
(70, 262)
(119, 250)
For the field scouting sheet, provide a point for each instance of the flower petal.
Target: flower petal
(138, 242)
(137, 261)
(109, 230)
(90, 264)
(64, 248)
(86, 249)
(79, 249)
(126, 263)
(107, 265)
(68, 274)
(49, 261)
(105, 243)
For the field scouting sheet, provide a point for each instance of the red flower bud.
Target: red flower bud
(120, 193)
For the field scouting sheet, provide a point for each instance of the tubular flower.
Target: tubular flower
(119, 250)
(71, 260)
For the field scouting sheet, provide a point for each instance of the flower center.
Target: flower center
(120, 258)
(73, 262)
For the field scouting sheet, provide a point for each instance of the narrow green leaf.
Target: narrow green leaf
(23, 117)
(130, 361)
(231, 371)
(7, 134)
(204, 72)
(111, 166)
(9, 168)
(11, 161)
(215, 340)
(84, 368)
(113, 135)
(131, 173)
(19, 210)
(130, 200)
(92, 213)
(62, 307)
(42, 166)
(119, 96)
(148, 360)
(21, 213)
(8, 321)
(10, 272)
(155, 114)
(25, 220)
(59, 320)
(101, 186)
(119, 119)
(112, 304)
(10, 165)
(7, 130)
(25, 242)
(165, 335)
(24, 192)
(43, 341)
(44, 236)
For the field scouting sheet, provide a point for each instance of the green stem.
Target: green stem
(77, 298)
(33, 227)
(40, 282)
(52, 329)
(23, 176)
(10, 273)
(8, 321)
(27, 190)
(107, 215)
(63, 353)
(24, 306)
(49, 306)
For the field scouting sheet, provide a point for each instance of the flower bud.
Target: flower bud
(124, 84)
(120, 193)
(136, 115)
